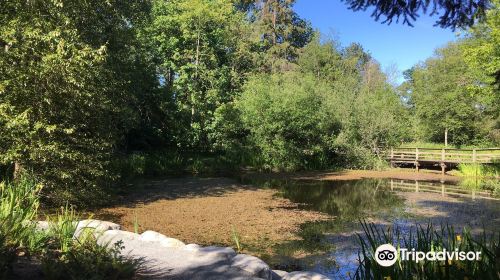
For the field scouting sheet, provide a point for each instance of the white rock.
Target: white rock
(278, 274)
(304, 275)
(95, 225)
(252, 264)
(110, 237)
(153, 236)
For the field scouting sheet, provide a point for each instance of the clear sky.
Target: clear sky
(389, 44)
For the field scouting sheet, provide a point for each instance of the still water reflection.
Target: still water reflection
(330, 247)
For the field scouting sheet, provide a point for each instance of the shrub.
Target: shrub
(82, 257)
(86, 259)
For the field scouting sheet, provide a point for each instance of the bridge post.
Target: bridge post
(474, 155)
(443, 164)
(392, 157)
(416, 159)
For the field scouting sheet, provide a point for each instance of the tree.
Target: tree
(481, 50)
(456, 14)
(63, 106)
(444, 104)
(279, 33)
(203, 56)
(335, 108)
(482, 47)
(284, 116)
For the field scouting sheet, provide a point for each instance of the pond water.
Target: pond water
(331, 247)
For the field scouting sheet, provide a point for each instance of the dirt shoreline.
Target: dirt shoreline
(394, 173)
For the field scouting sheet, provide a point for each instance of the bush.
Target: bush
(287, 122)
(85, 260)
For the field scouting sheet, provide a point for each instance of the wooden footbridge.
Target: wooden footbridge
(444, 158)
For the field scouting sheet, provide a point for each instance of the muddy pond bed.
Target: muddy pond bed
(303, 223)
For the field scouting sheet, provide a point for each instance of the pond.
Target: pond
(331, 248)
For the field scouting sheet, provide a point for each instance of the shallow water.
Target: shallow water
(331, 247)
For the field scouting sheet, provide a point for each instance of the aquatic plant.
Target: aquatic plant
(236, 239)
(136, 224)
(427, 238)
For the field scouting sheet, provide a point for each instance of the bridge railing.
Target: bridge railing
(450, 155)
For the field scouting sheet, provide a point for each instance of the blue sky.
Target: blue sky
(389, 44)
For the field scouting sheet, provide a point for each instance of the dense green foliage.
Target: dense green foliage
(65, 89)
(456, 92)
(335, 111)
(92, 92)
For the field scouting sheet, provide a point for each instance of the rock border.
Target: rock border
(167, 257)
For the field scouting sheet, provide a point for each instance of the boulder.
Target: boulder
(304, 275)
(278, 274)
(96, 226)
(254, 265)
(110, 237)
(153, 236)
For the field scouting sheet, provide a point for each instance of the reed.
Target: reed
(428, 238)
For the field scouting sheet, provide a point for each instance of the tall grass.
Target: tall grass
(63, 255)
(18, 207)
(62, 228)
(481, 176)
(479, 170)
(428, 238)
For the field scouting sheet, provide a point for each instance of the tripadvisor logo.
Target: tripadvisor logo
(387, 255)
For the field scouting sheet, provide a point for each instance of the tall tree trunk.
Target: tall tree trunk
(196, 63)
(446, 137)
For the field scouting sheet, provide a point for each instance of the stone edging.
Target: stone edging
(169, 258)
